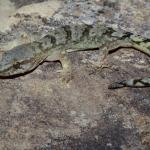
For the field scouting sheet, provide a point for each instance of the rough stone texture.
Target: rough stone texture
(38, 112)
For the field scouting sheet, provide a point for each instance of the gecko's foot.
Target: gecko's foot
(66, 76)
(99, 66)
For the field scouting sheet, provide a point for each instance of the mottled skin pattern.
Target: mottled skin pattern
(67, 38)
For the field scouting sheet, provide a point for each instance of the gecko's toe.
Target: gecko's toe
(99, 66)
(66, 77)
(65, 80)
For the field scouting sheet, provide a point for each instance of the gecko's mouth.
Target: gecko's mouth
(6, 71)
(9, 69)
(13, 70)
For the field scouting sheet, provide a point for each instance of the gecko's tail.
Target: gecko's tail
(135, 83)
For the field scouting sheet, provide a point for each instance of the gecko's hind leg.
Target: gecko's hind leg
(116, 45)
(108, 48)
(62, 56)
(101, 61)
(142, 82)
(104, 52)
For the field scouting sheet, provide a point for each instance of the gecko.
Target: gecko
(57, 43)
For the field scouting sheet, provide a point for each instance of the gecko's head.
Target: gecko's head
(10, 67)
(15, 62)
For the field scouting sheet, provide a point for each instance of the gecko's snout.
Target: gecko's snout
(7, 67)
(4, 70)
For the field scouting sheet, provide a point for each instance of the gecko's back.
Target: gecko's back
(82, 36)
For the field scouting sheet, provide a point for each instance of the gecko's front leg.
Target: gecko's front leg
(62, 56)
(66, 65)
(101, 61)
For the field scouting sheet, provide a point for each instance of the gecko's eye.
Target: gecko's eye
(16, 65)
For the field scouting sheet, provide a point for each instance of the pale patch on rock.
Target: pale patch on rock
(9, 14)
(141, 66)
(22, 39)
(43, 9)
(6, 10)
(65, 131)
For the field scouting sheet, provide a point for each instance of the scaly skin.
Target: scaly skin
(67, 38)
(142, 82)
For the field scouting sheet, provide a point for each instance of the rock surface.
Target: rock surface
(38, 112)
